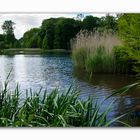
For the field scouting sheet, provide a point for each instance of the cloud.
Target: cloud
(22, 22)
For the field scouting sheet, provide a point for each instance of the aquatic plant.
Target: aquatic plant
(40, 109)
(94, 51)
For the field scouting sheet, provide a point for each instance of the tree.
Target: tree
(17, 44)
(47, 29)
(89, 23)
(129, 29)
(2, 37)
(30, 38)
(2, 45)
(39, 42)
(65, 29)
(80, 16)
(109, 22)
(8, 28)
(44, 44)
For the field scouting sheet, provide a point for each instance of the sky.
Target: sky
(24, 22)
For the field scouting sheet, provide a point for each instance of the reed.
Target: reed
(94, 51)
(39, 109)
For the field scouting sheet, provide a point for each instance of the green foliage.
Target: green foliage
(89, 23)
(9, 31)
(17, 44)
(44, 44)
(109, 22)
(30, 38)
(8, 27)
(101, 62)
(2, 37)
(129, 29)
(39, 42)
(47, 31)
(52, 110)
(79, 56)
(2, 41)
(2, 44)
(8, 37)
(65, 29)
(128, 59)
(56, 33)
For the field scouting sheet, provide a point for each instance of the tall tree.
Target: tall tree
(65, 29)
(109, 22)
(39, 42)
(44, 43)
(30, 38)
(8, 28)
(47, 30)
(89, 23)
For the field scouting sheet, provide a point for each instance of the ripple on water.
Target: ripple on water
(49, 72)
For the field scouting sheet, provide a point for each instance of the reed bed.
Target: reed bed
(52, 110)
(94, 51)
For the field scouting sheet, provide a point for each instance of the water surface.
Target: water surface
(53, 71)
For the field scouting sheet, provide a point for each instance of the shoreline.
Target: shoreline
(14, 51)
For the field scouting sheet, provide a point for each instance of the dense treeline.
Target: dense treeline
(54, 33)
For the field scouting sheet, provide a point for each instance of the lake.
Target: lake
(57, 71)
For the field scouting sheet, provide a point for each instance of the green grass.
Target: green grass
(100, 62)
(40, 109)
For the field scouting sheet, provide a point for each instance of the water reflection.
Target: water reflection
(19, 69)
(35, 71)
(102, 85)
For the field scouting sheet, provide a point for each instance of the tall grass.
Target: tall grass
(51, 110)
(94, 51)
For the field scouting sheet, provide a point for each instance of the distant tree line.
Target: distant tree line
(54, 33)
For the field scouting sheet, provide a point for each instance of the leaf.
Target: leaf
(63, 120)
(123, 123)
(104, 114)
(122, 90)
(115, 119)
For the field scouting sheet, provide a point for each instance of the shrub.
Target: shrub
(128, 59)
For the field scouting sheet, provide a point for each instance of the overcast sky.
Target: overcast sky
(24, 22)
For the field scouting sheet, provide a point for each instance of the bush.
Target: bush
(128, 59)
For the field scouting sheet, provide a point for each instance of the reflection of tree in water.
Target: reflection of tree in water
(124, 103)
(108, 80)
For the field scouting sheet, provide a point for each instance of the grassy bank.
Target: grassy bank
(40, 109)
(93, 51)
(13, 51)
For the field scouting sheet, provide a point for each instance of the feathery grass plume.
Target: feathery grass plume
(94, 51)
